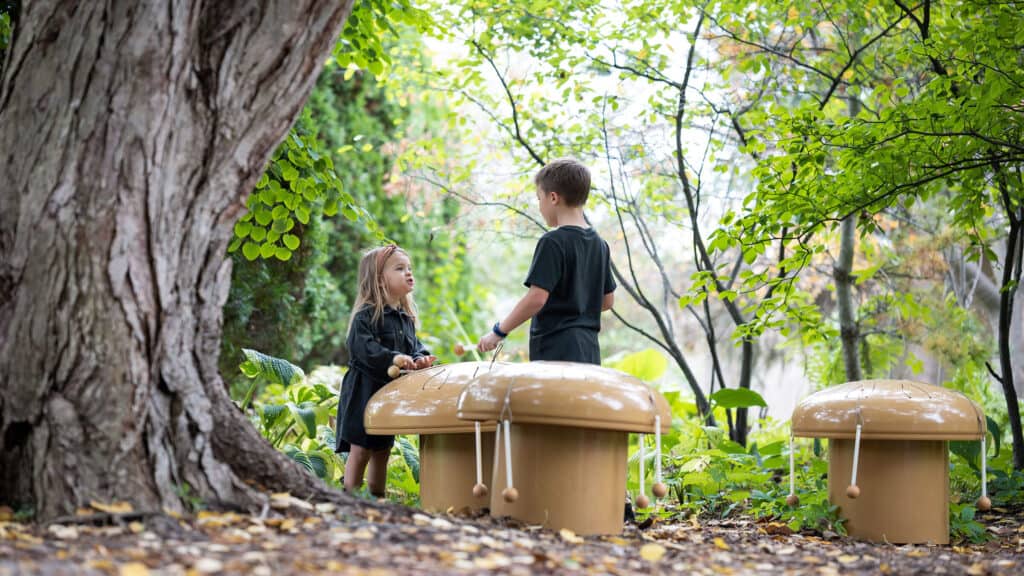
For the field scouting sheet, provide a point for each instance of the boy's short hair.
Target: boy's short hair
(569, 178)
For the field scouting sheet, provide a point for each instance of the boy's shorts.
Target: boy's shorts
(569, 345)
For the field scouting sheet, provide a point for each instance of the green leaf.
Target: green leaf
(410, 455)
(288, 172)
(263, 216)
(251, 251)
(995, 431)
(318, 464)
(283, 254)
(737, 398)
(299, 456)
(305, 418)
(969, 450)
(277, 370)
(647, 365)
(258, 234)
(271, 414)
(291, 241)
(242, 229)
(268, 249)
(283, 225)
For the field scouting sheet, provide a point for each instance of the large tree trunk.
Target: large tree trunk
(842, 270)
(131, 134)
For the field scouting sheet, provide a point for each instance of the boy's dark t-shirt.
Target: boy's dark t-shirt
(574, 265)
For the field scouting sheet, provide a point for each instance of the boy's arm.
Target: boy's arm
(608, 302)
(526, 308)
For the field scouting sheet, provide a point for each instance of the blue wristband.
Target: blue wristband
(497, 330)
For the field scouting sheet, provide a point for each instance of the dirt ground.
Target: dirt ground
(294, 537)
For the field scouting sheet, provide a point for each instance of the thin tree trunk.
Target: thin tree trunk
(1011, 272)
(131, 134)
(842, 271)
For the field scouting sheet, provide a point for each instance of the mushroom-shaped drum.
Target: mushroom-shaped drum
(424, 402)
(888, 454)
(565, 431)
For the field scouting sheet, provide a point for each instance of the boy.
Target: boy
(570, 280)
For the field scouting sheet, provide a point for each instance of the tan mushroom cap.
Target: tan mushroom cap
(565, 394)
(424, 401)
(889, 410)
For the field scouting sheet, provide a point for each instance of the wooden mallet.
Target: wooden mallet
(394, 371)
(460, 349)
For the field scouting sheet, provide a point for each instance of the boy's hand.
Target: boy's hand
(488, 342)
(424, 362)
(404, 362)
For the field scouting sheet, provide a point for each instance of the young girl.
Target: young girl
(381, 332)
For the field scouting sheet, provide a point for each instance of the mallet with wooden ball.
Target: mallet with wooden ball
(394, 371)
(460, 349)
(792, 500)
(984, 502)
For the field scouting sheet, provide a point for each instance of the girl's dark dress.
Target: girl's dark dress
(372, 348)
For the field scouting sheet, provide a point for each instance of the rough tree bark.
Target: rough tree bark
(842, 271)
(131, 134)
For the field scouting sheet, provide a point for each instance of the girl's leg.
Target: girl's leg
(378, 475)
(358, 457)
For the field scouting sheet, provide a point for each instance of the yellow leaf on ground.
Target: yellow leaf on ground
(616, 540)
(719, 543)
(112, 508)
(976, 569)
(570, 536)
(652, 552)
(847, 559)
(917, 553)
(133, 569)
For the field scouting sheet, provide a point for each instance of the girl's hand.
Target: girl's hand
(488, 342)
(424, 362)
(404, 362)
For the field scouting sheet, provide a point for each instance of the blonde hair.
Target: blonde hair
(371, 291)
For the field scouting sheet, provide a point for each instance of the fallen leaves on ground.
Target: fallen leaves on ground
(306, 538)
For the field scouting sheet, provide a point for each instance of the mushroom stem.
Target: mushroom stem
(853, 491)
